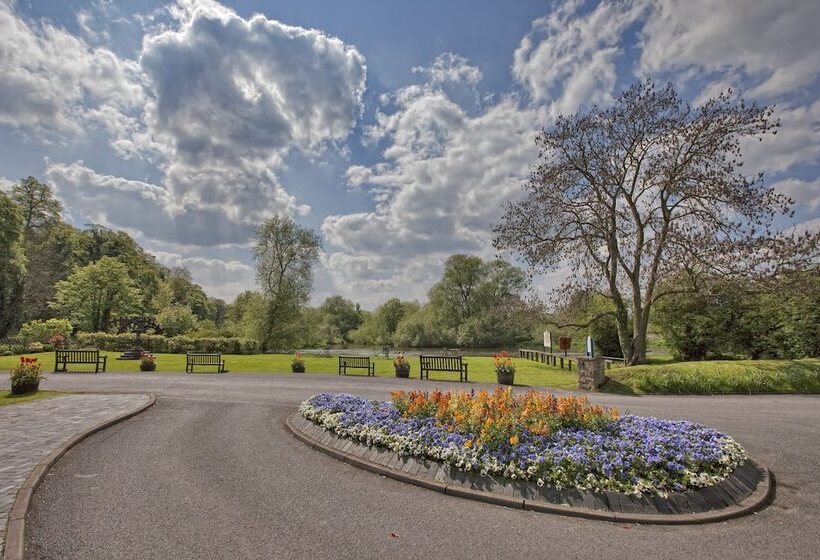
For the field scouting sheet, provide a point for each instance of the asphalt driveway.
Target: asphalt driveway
(211, 472)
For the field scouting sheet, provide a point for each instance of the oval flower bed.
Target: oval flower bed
(561, 441)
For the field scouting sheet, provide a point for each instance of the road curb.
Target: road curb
(15, 545)
(762, 495)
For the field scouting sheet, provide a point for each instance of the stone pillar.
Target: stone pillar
(590, 373)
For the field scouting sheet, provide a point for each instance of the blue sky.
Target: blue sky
(396, 129)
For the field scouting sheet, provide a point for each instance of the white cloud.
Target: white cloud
(450, 67)
(54, 83)
(570, 57)
(774, 44)
(444, 180)
(222, 279)
(805, 194)
(797, 140)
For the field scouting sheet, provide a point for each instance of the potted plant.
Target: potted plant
(298, 363)
(25, 378)
(504, 368)
(148, 362)
(402, 365)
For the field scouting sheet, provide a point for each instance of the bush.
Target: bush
(168, 345)
(42, 331)
(177, 320)
(34, 347)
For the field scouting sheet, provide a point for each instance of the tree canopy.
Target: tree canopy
(629, 195)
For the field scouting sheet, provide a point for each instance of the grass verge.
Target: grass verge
(6, 398)
(722, 377)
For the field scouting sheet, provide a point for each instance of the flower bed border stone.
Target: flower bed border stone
(749, 488)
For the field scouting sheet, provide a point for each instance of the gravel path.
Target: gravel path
(211, 472)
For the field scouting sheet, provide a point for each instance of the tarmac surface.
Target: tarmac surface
(210, 471)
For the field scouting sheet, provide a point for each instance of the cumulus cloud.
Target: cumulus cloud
(442, 183)
(450, 67)
(54, 83)
(219, 278)
(569, 57)
(805, 194)
(222, 101)
(773, 44)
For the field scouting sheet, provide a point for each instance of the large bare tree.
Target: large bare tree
(629, 195)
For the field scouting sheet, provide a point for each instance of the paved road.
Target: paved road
(211, 472)
(30, 431)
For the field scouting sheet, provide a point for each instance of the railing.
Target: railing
(558, 360)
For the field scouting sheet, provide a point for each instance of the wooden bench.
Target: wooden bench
(356, 362)
(206, 360)
(64, 357)
(442, 363)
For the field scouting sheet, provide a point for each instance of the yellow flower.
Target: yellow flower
(514, 440)
(468, 444)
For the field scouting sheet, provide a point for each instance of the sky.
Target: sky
(397, 130)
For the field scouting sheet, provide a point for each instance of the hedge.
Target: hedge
(166, 345)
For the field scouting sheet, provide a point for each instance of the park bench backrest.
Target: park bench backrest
(441, 363)
(355, 361)
(204, 359)
(78, 356)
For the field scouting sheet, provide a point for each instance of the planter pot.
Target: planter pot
(403, 371)
(152, 367)
(505, 378)
(298, 369)
(30, 387)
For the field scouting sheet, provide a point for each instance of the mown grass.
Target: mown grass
(6, 398)
(662, 376)
(722, 377)
(481, 368)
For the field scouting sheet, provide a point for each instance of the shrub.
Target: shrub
(34, 347)
(177, 320)
(43, 331)
(168, 345)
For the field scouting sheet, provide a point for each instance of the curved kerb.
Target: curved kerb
(749, 488)
(15, 547)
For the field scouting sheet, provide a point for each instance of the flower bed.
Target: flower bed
(564, 442)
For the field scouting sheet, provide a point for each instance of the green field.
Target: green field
(721, 377)
(7, 398)
(663, 376)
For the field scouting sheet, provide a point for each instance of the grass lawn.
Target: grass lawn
(660, 376)
(720, 377)
(7, 398)
(480, 367)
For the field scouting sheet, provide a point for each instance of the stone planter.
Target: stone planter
(505, 378)
(403, 371)
(297, 368)
(30, 387)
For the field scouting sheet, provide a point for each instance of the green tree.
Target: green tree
(285, 254)
(92, 295)
(631, 194)
(339, 317)
(12, 265)
(477, 303)
(95, 242)
(40, 209)
(176, 320)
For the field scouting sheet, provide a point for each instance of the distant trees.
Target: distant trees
(285, 254)
(339, 317)
(93, 295)
(631, 195)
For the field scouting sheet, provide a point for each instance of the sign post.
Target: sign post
(590, 347)
(547, 341)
